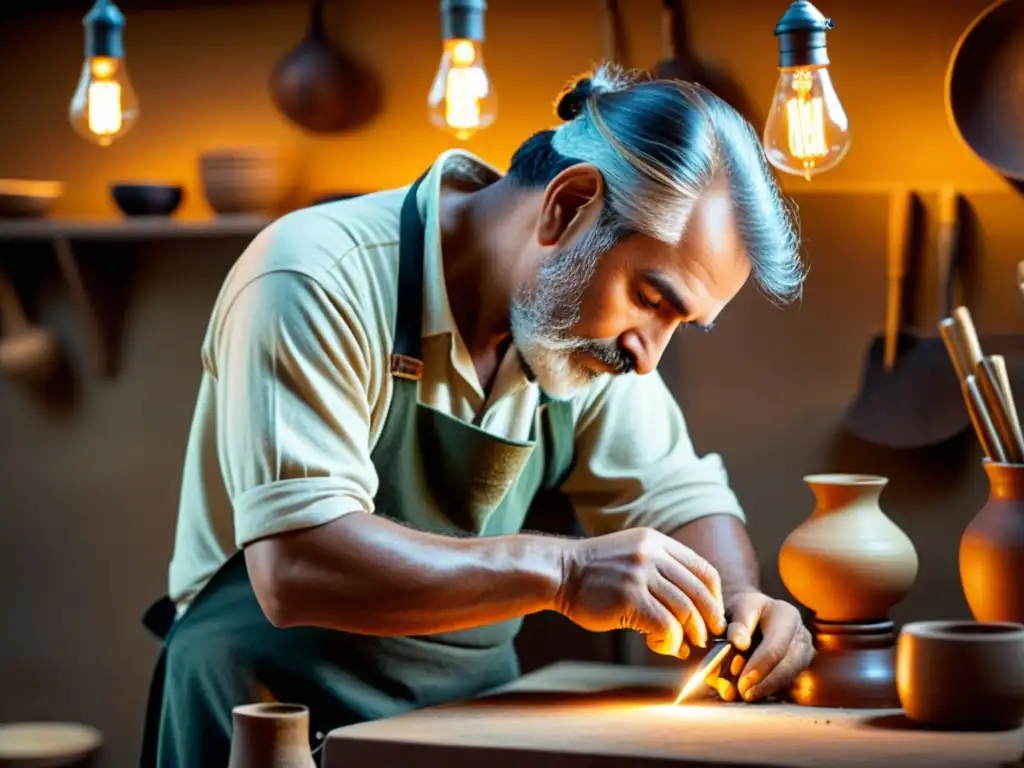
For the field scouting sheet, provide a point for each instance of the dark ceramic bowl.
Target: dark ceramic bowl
(962, 674)
(147, 199)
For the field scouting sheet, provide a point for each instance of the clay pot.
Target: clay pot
(270, 736)
(848, 562)
(244, 180)
(962, 674)
(992, 548)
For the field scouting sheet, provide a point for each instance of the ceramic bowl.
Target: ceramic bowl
(962, 674)
(243, 179)
(146, 199)
(27, 198)
(48, 745)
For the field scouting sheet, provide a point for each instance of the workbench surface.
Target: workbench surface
(575, 714)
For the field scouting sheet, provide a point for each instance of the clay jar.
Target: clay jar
(992, 548)
(848, 562)
(962, 674)
(270, 736)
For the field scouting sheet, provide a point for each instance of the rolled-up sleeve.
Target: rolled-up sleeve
(293, 416)
(636, 464)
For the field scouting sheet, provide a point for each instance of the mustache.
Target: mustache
(609, 353)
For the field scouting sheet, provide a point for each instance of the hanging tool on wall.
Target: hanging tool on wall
(679, 62)
(613, 33)
(917, 402)
(319, 88)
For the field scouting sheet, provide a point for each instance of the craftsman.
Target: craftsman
(391, 382)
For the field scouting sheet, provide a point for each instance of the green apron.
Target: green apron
(437, 474)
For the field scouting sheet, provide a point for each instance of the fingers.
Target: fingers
(707, 575)
(745, 619)
(799, 655)
(682, 608)
(663, 630)
(779, 634)
(701, 597)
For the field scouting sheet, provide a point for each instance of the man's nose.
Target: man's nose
(646, 345)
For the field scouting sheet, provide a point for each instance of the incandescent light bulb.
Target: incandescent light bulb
(104, 106)
(462, 100)
(807, 131)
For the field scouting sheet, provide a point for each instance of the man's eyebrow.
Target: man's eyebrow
(664, 286)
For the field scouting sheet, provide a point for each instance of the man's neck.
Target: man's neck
(481, 271)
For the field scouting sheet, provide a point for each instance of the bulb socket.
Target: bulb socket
(104, 26)
(462, 19)
(801, 32)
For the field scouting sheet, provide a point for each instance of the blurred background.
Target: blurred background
(90, 462)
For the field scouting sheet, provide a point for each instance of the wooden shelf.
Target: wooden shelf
(96, 259)
(135, 228)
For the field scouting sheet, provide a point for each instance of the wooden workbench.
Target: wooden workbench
(604, 716)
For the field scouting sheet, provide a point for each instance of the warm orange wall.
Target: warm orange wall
(202, 77)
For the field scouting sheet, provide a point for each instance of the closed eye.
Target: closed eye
(647, 301)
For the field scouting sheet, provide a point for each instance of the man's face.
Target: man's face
(596, 306)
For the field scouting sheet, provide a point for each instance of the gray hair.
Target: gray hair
(658, 144)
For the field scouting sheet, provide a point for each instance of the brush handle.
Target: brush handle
(982, 421)
(991, 391)
(953, 340)
(998, 363)
(901, 207)
(969, 335)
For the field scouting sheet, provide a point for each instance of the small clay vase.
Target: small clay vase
(270, 736)
(849, 564)
(962, 674)
(992, 548)
(848, 561)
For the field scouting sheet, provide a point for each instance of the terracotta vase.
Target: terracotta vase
(848, 561)
(992, 548)
(849, 564)
(270, 736)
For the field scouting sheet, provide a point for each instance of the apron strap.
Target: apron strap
(405, 358)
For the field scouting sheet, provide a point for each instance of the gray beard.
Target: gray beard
(544, 313)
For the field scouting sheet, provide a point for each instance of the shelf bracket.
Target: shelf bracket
(98, 276)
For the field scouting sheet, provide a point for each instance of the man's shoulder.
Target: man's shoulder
(330, 242)
(344, 252)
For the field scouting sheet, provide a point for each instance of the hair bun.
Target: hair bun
(572, 102)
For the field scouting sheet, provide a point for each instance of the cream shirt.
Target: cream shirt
(296, 387)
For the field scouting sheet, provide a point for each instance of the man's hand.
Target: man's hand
(783, 653)
(643, 580)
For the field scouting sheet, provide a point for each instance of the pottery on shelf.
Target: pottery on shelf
(992, 548)
(962, 674)
(138, 199)
(244, 180)
(849, 564)
(270, 735)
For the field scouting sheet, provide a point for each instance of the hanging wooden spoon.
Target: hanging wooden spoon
(26, 351)
(320, 89)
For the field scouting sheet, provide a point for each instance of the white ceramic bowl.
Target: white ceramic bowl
(47, 745)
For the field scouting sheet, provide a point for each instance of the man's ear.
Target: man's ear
(572, 203)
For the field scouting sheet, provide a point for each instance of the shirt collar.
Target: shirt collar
(437, 313)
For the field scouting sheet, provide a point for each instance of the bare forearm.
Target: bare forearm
(722, 540)
(364, 573)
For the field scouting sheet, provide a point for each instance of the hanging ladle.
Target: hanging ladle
(27, 352)
(320, 89)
